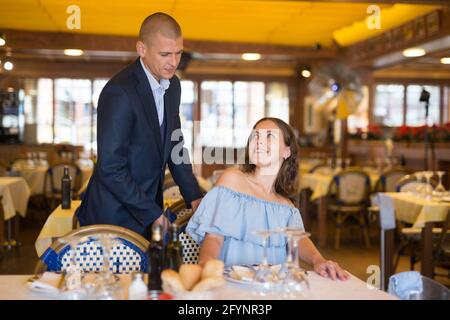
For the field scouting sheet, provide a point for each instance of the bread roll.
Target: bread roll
(210, 283)
(190, 274)
(171, 281)
(213, 268)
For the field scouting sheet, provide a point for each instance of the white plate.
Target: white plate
(243, 274)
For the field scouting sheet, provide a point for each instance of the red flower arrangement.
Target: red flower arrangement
(406, 133)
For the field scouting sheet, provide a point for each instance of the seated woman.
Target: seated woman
(253, 198)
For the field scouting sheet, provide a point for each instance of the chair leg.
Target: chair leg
(363, 226)
(412, 257)
(400, 251)
(337, 239)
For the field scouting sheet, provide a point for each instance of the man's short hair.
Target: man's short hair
(161, 23)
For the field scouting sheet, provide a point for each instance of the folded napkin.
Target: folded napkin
(406, 285)
(48, 282)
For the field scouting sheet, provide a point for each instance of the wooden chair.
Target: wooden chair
(386, 183)
(408, 236)
(350, 201)
(5, 168)
(441, 256)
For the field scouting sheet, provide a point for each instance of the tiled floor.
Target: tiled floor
(352, 255)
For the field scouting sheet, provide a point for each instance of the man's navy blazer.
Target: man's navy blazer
(126, 186)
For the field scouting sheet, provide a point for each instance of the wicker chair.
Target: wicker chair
(127, 252)
(190, 248)
(351, 201)
(52, 182)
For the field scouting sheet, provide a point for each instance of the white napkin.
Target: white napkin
(49, 282)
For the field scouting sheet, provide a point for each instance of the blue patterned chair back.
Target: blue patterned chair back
(127, 251)
(191, 249)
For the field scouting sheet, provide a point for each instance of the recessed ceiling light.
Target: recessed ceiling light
(445, 60)
(8, 65)
(306, 73)
(251, 56)
(73, 52)
(2, 40)
(414, 52)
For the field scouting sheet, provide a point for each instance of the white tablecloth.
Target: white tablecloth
(410, 208)
(15, 194)
(35, 176)
(59, 223)
(320, 182)
(13, 287)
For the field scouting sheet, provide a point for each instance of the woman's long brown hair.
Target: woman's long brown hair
(286, 182)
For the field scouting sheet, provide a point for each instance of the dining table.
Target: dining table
(14, 194)
(415, 209)
(35, 173)
(16, 287)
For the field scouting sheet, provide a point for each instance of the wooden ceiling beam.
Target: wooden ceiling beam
(428, 2)
(33, 40)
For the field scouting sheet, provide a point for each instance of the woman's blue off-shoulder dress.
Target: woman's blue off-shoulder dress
(235, 215)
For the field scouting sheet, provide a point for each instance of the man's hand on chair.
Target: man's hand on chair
(163, 222)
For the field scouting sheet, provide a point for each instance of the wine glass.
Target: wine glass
(347, 163)
(105, 285)
(420, 185)
(294, 277)
(339, 163)
(428, 189)
(72, 288)
(440, 190)
(265, 277)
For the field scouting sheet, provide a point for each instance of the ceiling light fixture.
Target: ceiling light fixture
(2, 40)
(414, 52)
(251, 56)
(8, 65)
(445, 60)
(73, 52)
(306, 73)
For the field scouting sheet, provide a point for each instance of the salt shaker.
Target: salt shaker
(138, 288)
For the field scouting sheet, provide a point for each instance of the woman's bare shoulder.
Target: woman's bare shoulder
(231, 178)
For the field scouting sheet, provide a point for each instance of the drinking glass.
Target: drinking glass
(420, 185)
(440, 190)
(265, 278)
(294, 277)
(428, 189)
(105, 285)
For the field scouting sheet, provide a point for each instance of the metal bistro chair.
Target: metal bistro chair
(410, 237)
(5, 168)
(127, 253)
(191, 249)
(52, 182)
(351, 201)
(386, 183)
(321, 169)
(441, 256)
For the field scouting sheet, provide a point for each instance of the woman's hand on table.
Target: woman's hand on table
(330, 269)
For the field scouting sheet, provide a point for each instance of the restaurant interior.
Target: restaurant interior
(365, 86)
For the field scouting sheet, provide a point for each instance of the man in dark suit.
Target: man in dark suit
(138, 110)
